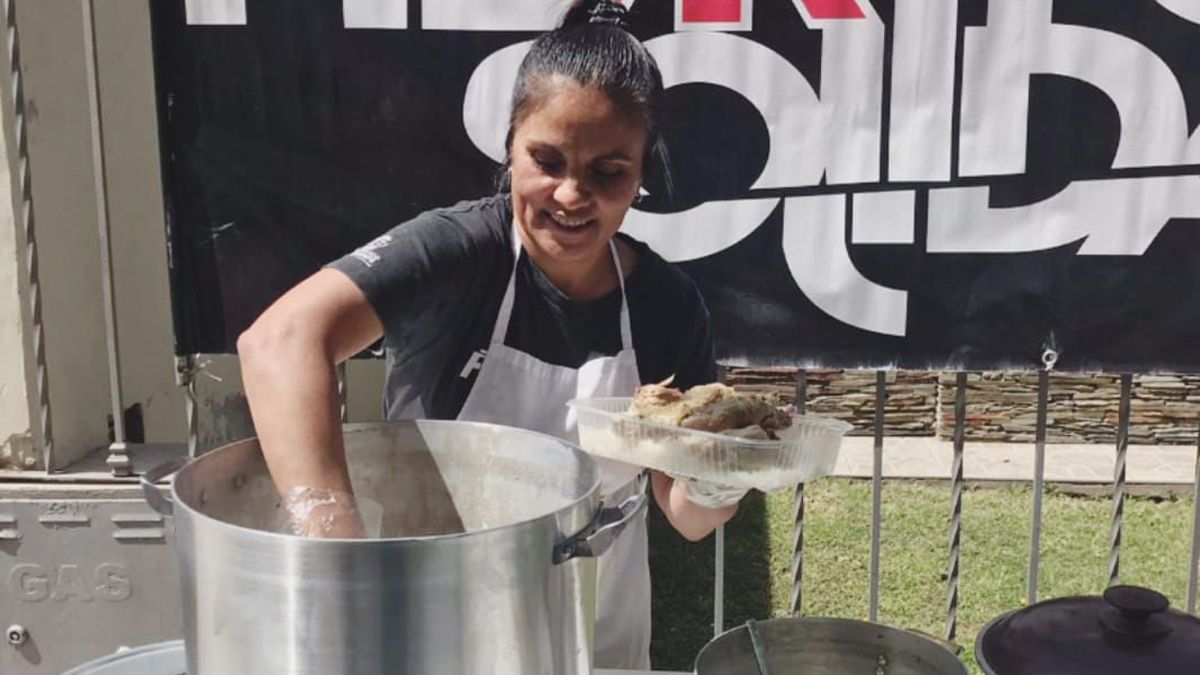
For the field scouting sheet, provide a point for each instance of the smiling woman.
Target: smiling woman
(502, 309)
(576, 169)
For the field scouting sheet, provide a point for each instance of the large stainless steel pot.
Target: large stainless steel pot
(820, 646)
(512, 591)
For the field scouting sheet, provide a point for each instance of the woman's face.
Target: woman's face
(576, 169)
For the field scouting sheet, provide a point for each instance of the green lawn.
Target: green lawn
(914, 558)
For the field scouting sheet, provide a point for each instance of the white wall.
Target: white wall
(364, 390)
(64, 224)
(17, 446)
(136, 216)
(52, 51)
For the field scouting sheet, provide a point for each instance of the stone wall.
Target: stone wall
(1001, 406)
(1081, 407)
(910, 409)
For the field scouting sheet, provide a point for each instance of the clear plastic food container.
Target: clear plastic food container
(805, 451)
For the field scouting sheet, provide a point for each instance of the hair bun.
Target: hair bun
(597, 12)
(607, 11)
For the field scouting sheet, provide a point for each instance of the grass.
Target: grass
(914, 556)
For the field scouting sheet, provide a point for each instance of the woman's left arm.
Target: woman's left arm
(691, 520)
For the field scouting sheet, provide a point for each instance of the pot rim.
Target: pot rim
(831, 621)
(396, 541)
(979, 657)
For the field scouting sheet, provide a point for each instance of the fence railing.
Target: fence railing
(956, 484)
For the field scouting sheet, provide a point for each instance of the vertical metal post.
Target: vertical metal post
(118, 457)
(877, 492)
(32, 311)
(1194, 570)
(342, 395)
(185, 376)
(719, 560)
(719, 584)
(801, 402)
(956, 503)
(1118, 513)
(801, 397)
(1039, 481)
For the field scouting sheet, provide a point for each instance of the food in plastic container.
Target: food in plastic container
(804, 450)
(712, 407)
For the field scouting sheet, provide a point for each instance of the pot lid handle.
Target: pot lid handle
(1134, 611)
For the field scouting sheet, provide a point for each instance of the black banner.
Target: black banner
(922, 184)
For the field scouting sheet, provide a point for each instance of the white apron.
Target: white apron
(516, 389)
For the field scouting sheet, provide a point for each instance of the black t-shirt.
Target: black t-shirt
(437, 282)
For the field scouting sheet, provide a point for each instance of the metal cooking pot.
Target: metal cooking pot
(1129, 630)
(499, 579)
(820, 646)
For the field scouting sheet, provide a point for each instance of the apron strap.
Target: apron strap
(500, 330)
(626, 330)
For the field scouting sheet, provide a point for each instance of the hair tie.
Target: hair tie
(610, 12)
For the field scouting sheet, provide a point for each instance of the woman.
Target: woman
(536, 278)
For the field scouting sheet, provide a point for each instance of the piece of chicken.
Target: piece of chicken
(712, 407)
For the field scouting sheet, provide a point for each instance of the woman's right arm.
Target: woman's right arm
(288, 359)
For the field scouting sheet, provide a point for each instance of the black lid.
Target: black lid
(1129, 630)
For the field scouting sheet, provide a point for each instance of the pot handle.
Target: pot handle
(598, 536)
(158, 501)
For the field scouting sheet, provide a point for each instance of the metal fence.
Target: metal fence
(956, 485)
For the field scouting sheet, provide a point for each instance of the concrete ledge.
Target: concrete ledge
(1086, 464)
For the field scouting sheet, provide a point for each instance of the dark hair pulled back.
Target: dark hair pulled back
(593, 46)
